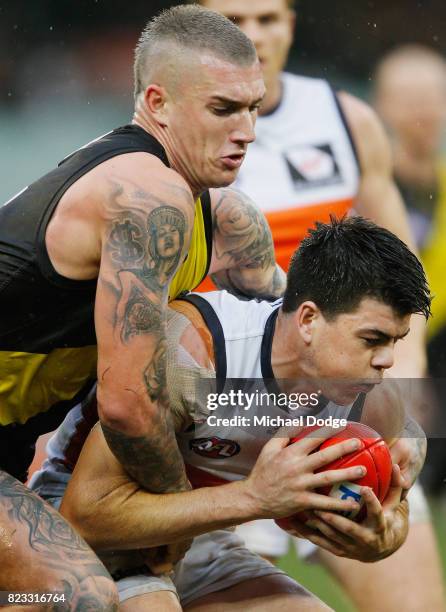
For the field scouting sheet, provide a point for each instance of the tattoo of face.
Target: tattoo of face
(56, 548)
(151, 248)
(155, 374)
(146, 254)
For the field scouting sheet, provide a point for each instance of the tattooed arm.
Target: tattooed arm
(145, 235)
(243, 260)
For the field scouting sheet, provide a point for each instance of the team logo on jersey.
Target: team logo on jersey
(215, 447)
(313, 166)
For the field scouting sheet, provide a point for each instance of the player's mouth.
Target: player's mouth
(233, 161)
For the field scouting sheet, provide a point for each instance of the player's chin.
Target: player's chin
(223, 179)
(344, 396)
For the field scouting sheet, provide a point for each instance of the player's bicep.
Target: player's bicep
(145, 237)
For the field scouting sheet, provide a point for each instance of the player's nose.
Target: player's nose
(244, 132)
(253, 30)
(383, 358)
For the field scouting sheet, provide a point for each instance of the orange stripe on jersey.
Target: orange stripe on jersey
(289, 227)
(193, 314)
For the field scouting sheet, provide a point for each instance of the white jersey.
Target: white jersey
(242, 333)
(242, 341)
(302, 165)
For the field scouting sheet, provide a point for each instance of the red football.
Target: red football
(373, 454)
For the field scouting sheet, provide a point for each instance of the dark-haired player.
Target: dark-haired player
(317, 152)
(344, 308)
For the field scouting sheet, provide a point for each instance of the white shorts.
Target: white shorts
(266, 538)
(215, 561)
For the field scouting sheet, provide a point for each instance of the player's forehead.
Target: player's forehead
(245, 9)
(375, 315)
(413, 76)
(213, 78)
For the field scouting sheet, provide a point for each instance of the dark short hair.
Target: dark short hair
(341, 262)
(190, 27)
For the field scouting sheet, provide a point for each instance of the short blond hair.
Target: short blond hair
(290, 3)
(189, 27)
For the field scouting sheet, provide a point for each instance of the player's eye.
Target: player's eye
(372, 341)
(222, 110)
(254, 108)
(268, 19)
(235, 19)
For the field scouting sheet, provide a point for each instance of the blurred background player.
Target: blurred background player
(410, 96)
(319, 152)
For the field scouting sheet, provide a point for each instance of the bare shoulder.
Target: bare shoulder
(358, 113)
(229, 193)
(134, 177)
(366, 128)
(124, 184)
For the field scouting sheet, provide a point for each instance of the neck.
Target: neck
(286, 358)
(143, 119)
(290, 367)
(272, 97)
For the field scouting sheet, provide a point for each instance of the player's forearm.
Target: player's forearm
(138, 426)
(154, 460)
(129, 518)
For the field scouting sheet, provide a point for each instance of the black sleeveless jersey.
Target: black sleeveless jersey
(47, 335)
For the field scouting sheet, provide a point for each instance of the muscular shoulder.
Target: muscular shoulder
(366, 129)
(140, 176)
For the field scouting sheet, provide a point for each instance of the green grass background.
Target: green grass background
(316, 578)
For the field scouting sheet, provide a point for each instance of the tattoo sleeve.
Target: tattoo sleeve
(145, 244)
(243, 245)
(53, 546)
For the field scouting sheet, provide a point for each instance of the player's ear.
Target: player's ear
(306, 319)
(155, 98)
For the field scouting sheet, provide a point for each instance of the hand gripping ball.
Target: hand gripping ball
(373, 454)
